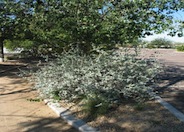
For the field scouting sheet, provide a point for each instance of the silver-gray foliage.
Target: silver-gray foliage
(108, 75)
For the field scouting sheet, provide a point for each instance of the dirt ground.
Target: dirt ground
(18, 110)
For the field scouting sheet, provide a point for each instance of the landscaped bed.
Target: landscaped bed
(132, 117)
(126, 115)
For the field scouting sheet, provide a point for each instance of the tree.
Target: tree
(10, 27)
(5, 27)
(101, 23)
(86, 24)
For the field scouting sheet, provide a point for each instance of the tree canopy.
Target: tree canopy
(84, 23)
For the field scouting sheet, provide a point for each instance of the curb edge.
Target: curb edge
(69, 118)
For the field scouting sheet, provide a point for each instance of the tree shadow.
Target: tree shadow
(151, 118)
(42, 124)
(4, 67)
(18, 91)
(47, 125)
(12, 71)
(175, 98)
(14, 86)
(170, 86)
(169, 78)
(19, 70)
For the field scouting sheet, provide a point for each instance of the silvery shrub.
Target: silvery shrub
(111, 75)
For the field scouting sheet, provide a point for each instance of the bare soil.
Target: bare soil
(152, 117)
(20, 109)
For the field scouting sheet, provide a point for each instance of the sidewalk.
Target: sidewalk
(19, 114)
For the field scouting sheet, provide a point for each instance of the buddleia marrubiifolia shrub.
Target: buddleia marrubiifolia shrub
(107, 75)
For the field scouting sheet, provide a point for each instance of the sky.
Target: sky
(178, 16)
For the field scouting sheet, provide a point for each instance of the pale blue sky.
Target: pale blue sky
(178, 16)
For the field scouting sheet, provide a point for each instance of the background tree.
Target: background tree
(14, 19)
(6, 26)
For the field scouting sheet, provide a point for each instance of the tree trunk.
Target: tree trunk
(1, 50)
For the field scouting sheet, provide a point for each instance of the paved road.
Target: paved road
(171, 83)
(19, 114)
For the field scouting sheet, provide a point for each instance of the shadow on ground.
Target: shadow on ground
(152, 118)
(17, 108)
(170, 77)
(17, 91)
(170, 86)
(12, 69)
(47, 125)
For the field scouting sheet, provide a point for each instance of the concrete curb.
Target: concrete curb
(66, 115)
(169, 107)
